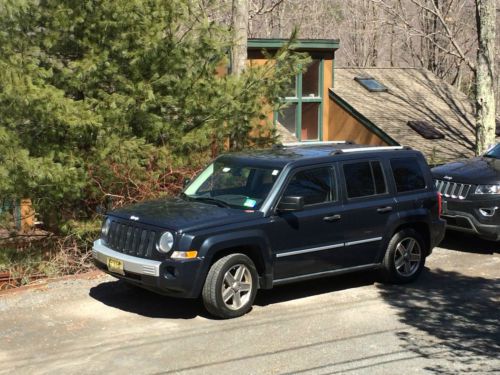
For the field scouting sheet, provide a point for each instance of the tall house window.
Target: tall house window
(303, 114)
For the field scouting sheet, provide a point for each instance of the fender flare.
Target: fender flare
(255, 238)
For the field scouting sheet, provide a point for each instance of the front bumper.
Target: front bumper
(174, 278)
(465, 216)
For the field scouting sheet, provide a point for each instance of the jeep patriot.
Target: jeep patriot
(262, 218)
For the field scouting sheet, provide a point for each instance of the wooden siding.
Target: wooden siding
(343, 126)
(327, 83)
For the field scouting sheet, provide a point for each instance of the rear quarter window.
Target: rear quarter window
(408, 174)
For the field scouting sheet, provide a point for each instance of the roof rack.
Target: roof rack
(312, 143)
(377, 148)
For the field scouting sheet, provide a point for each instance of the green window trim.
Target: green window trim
(299, 100)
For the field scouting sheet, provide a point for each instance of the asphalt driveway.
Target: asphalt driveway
(445, 323)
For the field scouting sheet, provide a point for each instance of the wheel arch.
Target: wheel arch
(253, 244)
(421, 228)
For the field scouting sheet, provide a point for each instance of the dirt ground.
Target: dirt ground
(445, 323)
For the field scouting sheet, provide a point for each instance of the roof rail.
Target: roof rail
(313, 143)
(377, 148)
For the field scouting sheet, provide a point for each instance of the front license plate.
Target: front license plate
(115, 265)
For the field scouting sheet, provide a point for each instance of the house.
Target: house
(374, 106)
(308, 106)
(406, 106)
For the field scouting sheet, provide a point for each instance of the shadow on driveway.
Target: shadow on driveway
(120, 295)
(468, 243)
(455, 315)
(123, 296)
(315, 287)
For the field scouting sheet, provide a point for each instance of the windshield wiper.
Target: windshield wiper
(218, 202)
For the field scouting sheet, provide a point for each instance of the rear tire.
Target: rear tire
(230, 286)
(405, 257)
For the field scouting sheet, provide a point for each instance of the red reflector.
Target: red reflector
(440, 204)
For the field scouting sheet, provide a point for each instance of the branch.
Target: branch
(435, 11)
(270, 9)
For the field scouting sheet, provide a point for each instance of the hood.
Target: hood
(481, 170)
(180, 215)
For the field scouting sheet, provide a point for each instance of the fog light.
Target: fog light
(488, 212)
(184, 254)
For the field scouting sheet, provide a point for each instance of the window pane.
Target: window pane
(240, 186)
(288, 117)
(310, 80)
(315, 185)
(359, 180)
(310, 116)
(378, 178)
(407, 174)
(370, 84)
(291, 89)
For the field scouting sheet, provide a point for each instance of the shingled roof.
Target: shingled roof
(414, 95)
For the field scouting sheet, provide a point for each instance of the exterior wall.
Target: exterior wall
(327, 83)
(23, 214)
(342, 126)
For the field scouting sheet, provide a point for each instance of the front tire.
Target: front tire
(405, 257)
(230, 286)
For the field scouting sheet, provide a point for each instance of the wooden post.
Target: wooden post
(27, 215)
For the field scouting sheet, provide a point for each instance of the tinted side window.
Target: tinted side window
(407, 174)
(315, 185)
(364, 179)
(378, 177)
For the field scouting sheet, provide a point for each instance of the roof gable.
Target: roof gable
(412, 95)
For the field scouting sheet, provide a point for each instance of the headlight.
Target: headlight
(488, 189)
(166, 242)
(105, 227)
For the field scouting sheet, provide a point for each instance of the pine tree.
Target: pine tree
(88, 86)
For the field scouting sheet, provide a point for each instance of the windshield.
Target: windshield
(233, 185)
(494, 152)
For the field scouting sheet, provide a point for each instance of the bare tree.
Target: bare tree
(240, 18)
(485, 93)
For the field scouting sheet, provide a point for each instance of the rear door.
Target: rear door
(368, 206)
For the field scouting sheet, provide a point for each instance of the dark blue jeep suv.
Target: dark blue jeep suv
(263, 218)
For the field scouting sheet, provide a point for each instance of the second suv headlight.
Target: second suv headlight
(488, 189)
(166, 242)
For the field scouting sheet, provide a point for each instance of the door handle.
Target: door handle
(332, 218)
(384, 209)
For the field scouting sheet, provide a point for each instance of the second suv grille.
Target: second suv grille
(131, 239)
(454, 190)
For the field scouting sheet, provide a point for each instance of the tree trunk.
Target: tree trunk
(485, 94)
(240, 35)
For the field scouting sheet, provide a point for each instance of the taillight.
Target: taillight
(440, 204)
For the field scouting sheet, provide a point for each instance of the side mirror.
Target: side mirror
(186, 182)
(290, 204)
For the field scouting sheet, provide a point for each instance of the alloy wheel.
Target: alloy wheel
(407, 256)
(237, 287)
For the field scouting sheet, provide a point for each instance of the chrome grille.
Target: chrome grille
(131, 239)
(453, 190)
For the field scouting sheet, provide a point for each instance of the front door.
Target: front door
(305, 242)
